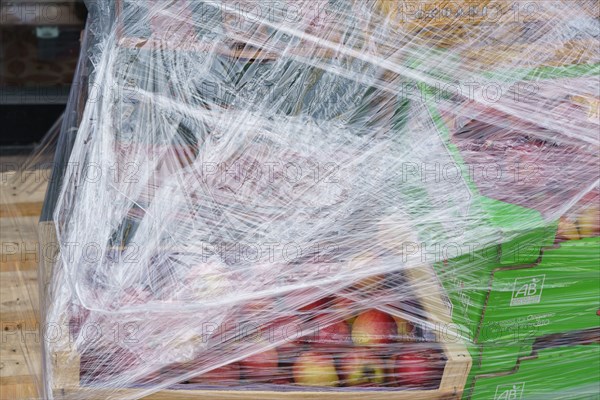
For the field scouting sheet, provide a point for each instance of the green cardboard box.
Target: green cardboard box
(561, 293)
(569, 372)
(506, 296)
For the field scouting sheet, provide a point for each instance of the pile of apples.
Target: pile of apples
(369, 349)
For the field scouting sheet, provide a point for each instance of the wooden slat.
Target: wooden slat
(19, 325)
(26, 209)
(14, 262)
(16, 370)
(21, 199)
(25, 380)
(19, 293)
(20, 347)
(23, 390)
(18, 230)
(97, 394)
(16, 320)
(24, 187)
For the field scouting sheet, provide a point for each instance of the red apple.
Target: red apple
(415, 368)
(374, 327)
(227, 375)
(329, 334)
(362, 369)
(260, 366)
(315, 369)
(588, 221)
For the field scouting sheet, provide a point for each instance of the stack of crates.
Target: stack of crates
(530, 306)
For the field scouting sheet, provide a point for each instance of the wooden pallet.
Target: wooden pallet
(20, 206)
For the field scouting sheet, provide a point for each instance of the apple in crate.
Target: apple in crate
(227, 375)
(260, 366)
(362, 369)
(107, 362)
(374, 327)
(328, 333)
(415, 368)
(315, 369)
(588, 221)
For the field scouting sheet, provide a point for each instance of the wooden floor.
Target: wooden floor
(21, 198)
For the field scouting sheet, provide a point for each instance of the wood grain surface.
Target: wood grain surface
(21, 198)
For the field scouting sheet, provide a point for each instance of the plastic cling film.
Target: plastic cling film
(361, 198)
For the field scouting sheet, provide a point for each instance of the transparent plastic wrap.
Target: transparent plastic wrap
(271, 200)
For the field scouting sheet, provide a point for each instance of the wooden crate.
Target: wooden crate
(426, 289)
(66, 381)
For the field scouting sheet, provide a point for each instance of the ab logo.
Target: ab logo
(527, 290)
(509, 392)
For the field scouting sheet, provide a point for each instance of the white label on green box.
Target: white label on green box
(527, 290)
(510, 391)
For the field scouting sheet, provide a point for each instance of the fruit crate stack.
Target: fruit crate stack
(535, 300)
(372, 336)
(362, 320)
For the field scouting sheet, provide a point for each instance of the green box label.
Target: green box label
(510, 391)
(527, 290)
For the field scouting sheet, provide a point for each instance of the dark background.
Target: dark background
(39, 48)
